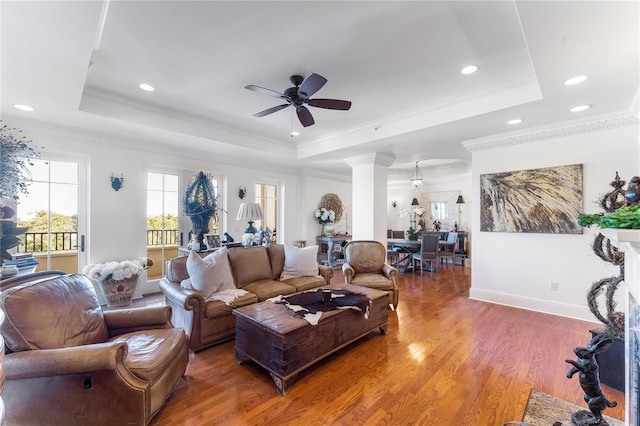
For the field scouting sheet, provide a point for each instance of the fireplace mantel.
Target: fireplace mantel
(628, 240)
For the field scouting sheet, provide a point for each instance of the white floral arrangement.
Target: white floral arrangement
(419, 211)
(403, 214)
(325, 216)
(116, 271)
(250, 239)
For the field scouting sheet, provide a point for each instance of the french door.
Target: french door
(54, 211)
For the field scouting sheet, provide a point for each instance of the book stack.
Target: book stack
(25, 262)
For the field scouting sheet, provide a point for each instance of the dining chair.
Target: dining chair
(429, 252)
(398, 234)
(449, 249)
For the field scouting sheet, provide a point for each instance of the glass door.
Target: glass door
(54, 213)
(163, 228)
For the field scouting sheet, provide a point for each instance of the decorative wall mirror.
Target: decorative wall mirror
(439, 210)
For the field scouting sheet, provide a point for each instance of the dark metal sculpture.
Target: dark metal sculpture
(589, 376)
(613, 320)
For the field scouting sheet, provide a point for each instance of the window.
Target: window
(162, 220)
(267, 197)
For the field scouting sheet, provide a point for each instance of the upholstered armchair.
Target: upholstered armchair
(365, 266)
(70, 363)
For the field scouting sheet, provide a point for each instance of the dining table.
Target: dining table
(408, 248)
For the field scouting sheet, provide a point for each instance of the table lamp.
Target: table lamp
(250, 212)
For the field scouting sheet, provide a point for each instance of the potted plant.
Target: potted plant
(14, 180)
(200, 204)
(118, 280)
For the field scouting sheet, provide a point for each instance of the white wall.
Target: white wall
(516, 269)
(116, 227)
(438, 185)
(314, 188)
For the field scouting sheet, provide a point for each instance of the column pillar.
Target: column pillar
(369, 199)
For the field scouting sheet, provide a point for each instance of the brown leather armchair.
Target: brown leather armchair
(365, 266)
(70, 363)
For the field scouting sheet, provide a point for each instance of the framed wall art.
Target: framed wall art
(546, 200)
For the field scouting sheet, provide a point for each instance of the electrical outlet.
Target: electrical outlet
(553, 286)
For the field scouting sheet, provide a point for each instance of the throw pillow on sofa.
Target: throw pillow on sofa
(299, 262)
(211, 274)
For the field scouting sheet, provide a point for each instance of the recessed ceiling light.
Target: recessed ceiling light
(469, 69)
(295, 134)
(147, 87)
(23, 107)
(580, 108)
(575, 80)
(515, 121)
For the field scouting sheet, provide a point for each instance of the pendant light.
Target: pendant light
(416, 178)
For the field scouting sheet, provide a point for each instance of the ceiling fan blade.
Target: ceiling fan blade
(305, 116)
(264, 91)
(330, 104)
(270, 110)
(311, 85)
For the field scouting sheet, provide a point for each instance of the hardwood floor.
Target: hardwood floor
(446, 360)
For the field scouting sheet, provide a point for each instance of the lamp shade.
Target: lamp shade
(460, 200)
(415, 202)
(249, 211)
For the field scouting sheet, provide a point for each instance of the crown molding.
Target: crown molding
(373, 158)
(604, 123)
(137, 144)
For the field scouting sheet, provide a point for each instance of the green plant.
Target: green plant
(626, 217)
(16, 154)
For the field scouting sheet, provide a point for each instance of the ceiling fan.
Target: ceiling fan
(299, 95)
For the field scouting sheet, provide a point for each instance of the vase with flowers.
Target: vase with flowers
(118, 280)
(325, 218)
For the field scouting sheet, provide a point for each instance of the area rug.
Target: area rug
(545, 410)
(310, 306)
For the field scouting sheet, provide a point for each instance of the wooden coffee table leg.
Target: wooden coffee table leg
(283, 385)
(241, 358)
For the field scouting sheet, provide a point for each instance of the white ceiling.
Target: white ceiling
(78, 63)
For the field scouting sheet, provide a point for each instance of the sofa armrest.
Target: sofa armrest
(123, 321)
(191, 300)
(63, 361)
(326, 272)
(348, 272)
(390, 272)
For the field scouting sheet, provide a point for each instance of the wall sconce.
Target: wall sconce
(394, 204)
(242, 192)
(117, 182)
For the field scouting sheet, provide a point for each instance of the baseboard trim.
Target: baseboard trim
(538, 305)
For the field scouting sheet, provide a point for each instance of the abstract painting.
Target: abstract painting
(546, 200)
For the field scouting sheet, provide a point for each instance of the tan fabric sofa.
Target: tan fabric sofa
(255, 269)
(70, 363)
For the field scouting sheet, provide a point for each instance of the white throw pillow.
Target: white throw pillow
(211, 274)
(299, 262)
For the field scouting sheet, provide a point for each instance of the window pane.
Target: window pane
(154, 181)
(64, 172)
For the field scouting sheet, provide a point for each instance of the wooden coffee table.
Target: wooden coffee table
(270, 335)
